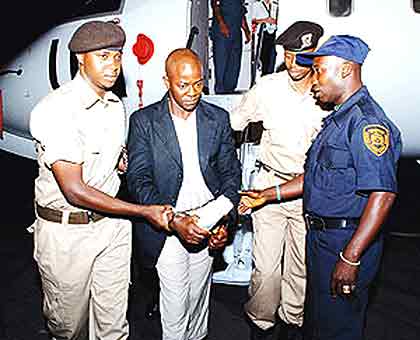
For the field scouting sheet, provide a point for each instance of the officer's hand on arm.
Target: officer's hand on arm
(218, 237)
(69, 177)
(158, 215)
(187, 228)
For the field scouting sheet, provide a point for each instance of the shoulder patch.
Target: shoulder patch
(376, 139)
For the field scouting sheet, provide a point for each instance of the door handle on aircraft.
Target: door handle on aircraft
(193, 32)
(53, 64)
(18, 72)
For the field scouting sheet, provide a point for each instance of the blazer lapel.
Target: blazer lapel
(206, 130)
(165, 130)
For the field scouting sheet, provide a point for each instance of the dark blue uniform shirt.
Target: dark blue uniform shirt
(232, 13)
(356, 152)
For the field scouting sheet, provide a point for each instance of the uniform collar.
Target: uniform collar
(88, 96)
(339, 115)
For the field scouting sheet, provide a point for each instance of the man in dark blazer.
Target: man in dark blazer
(181, 153)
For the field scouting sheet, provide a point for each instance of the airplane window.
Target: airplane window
(94, 7)
(340, 8)
(416, 6)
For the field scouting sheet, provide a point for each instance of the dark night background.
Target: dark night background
(394, 312)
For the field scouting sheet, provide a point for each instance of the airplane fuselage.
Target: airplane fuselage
(391, 28)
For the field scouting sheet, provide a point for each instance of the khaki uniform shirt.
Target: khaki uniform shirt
(291, 121)
(74, 124)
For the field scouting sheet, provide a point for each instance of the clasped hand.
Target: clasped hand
(187, 228)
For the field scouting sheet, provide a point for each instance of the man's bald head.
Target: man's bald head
(184, 81)
(180, 57)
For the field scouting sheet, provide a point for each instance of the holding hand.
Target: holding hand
(159, 215)
(218, 238)
(251, 199)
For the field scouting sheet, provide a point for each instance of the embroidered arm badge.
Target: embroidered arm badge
(376, 139)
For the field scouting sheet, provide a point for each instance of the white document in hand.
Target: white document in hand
(212, 212)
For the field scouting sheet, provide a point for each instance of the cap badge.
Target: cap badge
(376, 139)
(306, 40)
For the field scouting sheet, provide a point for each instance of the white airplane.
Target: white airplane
(390, 27)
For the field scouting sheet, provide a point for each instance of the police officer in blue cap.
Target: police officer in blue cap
(348, 188)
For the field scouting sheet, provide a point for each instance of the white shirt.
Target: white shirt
(194, 192)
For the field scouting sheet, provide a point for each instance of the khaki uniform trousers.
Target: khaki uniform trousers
(85, 274)
(279, 276)
(185, 279)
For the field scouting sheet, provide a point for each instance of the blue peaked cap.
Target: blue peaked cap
(343, 46)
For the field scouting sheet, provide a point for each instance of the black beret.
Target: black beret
(300, 36)
(96, 35)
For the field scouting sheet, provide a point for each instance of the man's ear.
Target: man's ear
(80, 58)
(346, 69)
(166, 81)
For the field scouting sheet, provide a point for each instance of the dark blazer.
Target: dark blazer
(155, 170)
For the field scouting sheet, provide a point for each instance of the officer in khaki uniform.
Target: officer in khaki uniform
(84, 256)
(282, 101)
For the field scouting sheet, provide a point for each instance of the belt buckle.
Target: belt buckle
(315, 222)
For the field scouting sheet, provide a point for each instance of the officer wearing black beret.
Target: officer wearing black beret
(301, 36)
(83, 255)
(283, 102)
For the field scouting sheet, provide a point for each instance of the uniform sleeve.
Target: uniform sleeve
(375, 152)
(248, 110)
(57, 133)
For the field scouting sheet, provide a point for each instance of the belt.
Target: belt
(81, 217)
(321, 223)
(279, 174)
